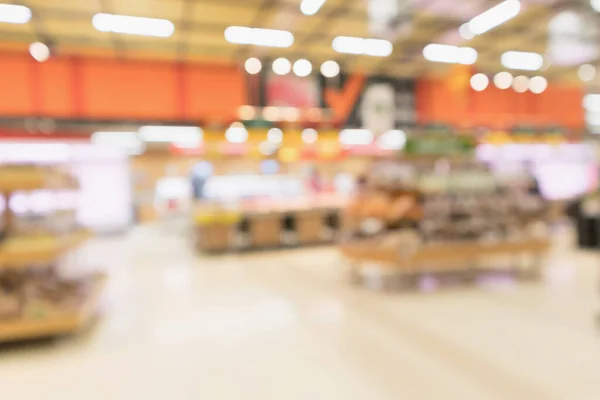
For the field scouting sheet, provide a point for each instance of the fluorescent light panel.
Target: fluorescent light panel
(181, 135)
(522, 60)
(591, 102)
(592, 119)
(14, 14)
(494, 17)
(368, 47)
(311, 7)
(392, 140)
(127, 141)
(133, 25)
(259, 36)
(356, 137)
(450, 54)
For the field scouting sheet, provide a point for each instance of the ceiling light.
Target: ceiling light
(467, 55)
(236, 133)
(592, 119)
(271, 113)
(311, 7)
(253, 66)
(309, 136)
(378, 47)
(290, 114)
(538, 84)
(14, 14)
(495, 16)
(181, 135)
(348, 45)
(302, 67)
(392, 140)
(275, 135)
(133, 25)
(591, 102)
(127, 141)
(356, 45)
(521, 84)
(330, 69)
(595, 5)
(39, 51)
(522, 60)
(479, 82)
(259, 36)
(503, 80)
(587, 72)
(314, 114)
(465, 32)
(247, 113)
(355, 137)
(282, 66)
(450, 54)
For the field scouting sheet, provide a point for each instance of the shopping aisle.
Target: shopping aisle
(287, 325)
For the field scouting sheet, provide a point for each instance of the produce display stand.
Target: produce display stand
(286, 225)
(23, 254)
(366, 258)
(23, 178)
(65, 323)
(412, 220)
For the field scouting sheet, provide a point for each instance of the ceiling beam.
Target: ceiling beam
(186, 22)
(38, 26)
(118, 45)
(258, 21)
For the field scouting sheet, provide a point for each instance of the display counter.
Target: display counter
(267, 223)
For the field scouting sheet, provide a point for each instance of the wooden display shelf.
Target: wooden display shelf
(25, 251)
(13, 179)
(266, 227)
(69, 322)
(451, 252)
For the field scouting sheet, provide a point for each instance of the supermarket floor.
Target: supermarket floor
(287, 325)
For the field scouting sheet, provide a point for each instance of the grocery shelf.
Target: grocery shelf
(34, 178)
(18, 252)
(69, 322)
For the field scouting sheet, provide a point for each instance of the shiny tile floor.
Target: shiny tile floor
(287, 325)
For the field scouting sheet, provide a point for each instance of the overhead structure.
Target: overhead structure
(384, 37)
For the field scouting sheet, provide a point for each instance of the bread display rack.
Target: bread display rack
(405, 225)
(35, 302)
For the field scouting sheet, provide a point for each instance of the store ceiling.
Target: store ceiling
(199, 31)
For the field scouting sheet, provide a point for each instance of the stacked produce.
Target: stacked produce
(40, 294)
(463, 204)
(35, 301)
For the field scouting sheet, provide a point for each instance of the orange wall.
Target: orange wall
(559, 105)
(106, 88)
(98, 88)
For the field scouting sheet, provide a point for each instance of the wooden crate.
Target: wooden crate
(214, 237)
(265, 229)
(436, 256)
(309, 226)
